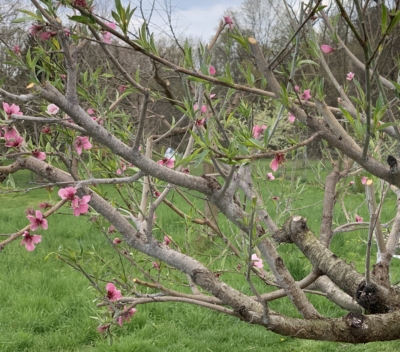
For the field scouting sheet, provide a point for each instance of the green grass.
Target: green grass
(47, 306)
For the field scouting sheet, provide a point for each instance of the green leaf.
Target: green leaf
(200, 158)
(244, 43)
(83, 19)
(31, 17)
(394, 22)
(384, 125)
(384, 18)
(307, 62)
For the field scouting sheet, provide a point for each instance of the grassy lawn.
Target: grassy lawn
(48, 306)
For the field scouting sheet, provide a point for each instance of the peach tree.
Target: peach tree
(92, 119)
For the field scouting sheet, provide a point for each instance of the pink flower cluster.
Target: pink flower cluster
(11, 135)
(113, 294)
(78, 205)
(41, 31)
(37, 220)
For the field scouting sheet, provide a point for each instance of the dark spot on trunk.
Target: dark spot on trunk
(366, 297)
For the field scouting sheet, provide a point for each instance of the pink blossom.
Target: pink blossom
(67, 32)
(46, 130)
(228, 21)
(16, 49)
(52, 109)
(35, 29)
(211, 70)
(47, 35)
(350, 76)
(79, 205)
(257, 130)
(200, 122)
(82, 142)
(117, 241)
(306, 95)
(168, 162)
(186, 170)
(122, 168)
(270, 176)
(257, 262)
(38, 154)
(107, 37)
(112, 25)
(37, 221)
(112, 293)
(297, 88)
(364, 180)
(291, 118)
(126, 317)
(15, 143)
(278, 160)
(202, 110)
(351, 183)
(80, 3)
(10, 132)
(157, 194)
(45, 205)
(67, 193)
(212, 96)
(103, 328)
(121, 89)
(111, 229)
(275, 198)
(155, 265)
(11, 109)
(30, 240)
(90, 111)
(167, 241)
(327, 49)
(63, 77)
(359, 218)
(99, 120)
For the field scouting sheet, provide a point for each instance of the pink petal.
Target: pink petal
(36, 239)
(327, 49)
(274, 165)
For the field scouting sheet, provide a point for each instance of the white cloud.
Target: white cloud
(188, 20)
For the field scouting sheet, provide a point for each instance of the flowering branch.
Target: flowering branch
(46, 120)
(15, 235)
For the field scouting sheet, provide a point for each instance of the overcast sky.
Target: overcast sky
(190, 17)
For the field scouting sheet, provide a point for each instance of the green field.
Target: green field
(48, 306)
